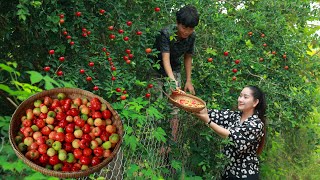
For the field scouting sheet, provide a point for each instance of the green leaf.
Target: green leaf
(152, 111)
(67, 84)
(159, 134)
(49, 83)
(7, 68)
(131, 141)
(132, 168)
(176, 164)
(135, 106)
(35, 76)
(38, 175)
(249, 44)
(140, 83)
(211, 51)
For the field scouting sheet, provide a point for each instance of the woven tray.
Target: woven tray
(71, 93)
(187, 102)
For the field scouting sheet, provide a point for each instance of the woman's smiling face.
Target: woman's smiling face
(246, 101)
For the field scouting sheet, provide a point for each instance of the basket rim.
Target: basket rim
(68, 174)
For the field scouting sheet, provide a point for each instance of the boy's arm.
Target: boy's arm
(167, 66)
(188, 68)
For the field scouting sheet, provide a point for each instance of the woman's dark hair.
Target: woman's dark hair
(260, 109)
(188, 16)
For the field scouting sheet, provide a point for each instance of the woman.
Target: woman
(245, 128)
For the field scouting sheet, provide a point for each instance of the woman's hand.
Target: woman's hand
(203, 115)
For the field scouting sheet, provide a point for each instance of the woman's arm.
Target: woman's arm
(204, 116)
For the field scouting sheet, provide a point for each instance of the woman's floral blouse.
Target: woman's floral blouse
(244, 139)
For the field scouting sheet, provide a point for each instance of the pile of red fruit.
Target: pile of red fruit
(65, 134)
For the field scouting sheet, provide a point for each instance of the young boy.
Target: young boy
(175, 41)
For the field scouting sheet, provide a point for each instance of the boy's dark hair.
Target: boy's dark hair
(188, 16)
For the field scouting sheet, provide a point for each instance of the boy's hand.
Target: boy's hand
(189, 87)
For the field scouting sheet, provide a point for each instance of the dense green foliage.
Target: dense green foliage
(31, 28)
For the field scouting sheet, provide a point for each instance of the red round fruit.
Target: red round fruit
(234, 78)
(148, 95)
(65, 33)
(112, 36)
(157, 9)
(71, 43)
(113, 78)
(237, 61)
(210, 59)
(286, 67)
(262, 35)
(98, 151)
(61, 58)
(261, 59)
(95, 88)
(87, 151)
(95, 161)
(77, 153)
(78, 14)
(61, 16)
(129, 23)
(128, 51)
(126, 38)
(47, 68)
(264, 44)
(118, 89)
(102, 11)
(125, 58)
(60, 73)
(68, 37)
(120, 31)
(138, 33)
(150, 85)
(82, 71)
(106, 114)
(123, 97)
(226, 53)
(113, 68)
(111, 28)
(128, 61)
(284, 56)
(54, 160)
(51, 52)
(234, 70)
(148, 50)
(104, 49)
(61, 21)
(91, 64)
(69, 137)
(250, 33)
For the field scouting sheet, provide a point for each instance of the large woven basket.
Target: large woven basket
(71, 93)
(174, 98)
